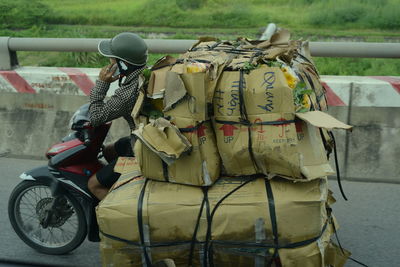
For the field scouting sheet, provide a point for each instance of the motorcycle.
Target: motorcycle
(52, 209)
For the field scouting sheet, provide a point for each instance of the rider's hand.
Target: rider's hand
(107, 72)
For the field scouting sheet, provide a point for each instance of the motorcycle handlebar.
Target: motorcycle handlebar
(86, 137)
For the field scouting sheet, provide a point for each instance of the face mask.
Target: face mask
(124, 69)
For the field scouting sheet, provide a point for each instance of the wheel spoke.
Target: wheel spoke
(29, 216)
(27, 211)
(66, 234)
(54, 237)
(37, 233)
(26, 206)
(74, 225)
(29, 201)
(30, 205)
(35, 194)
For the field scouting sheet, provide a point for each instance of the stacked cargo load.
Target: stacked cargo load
(231, 171)
(236, 222)
(185, 106)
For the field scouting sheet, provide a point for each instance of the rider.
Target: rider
(128, 54)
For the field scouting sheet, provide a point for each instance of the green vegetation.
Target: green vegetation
(356, 14)
(322, 20)
(15, 14)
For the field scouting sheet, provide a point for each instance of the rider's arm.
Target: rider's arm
(120, 104)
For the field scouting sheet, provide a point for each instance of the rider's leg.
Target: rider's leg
(109, 152)
(97, 189)
(100, 183)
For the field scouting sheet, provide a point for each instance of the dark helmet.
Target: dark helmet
(126, 46)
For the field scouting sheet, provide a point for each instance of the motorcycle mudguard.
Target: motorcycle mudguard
(41, 174)
(57, 185)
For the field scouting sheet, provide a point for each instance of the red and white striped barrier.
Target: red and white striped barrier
(363, 91)
(66, 81)
(368, 91)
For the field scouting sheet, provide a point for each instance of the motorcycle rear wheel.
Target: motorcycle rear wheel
(27, 206)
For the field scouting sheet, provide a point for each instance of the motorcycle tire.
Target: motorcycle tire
(28, 190)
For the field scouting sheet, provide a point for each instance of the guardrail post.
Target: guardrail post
(8, 59)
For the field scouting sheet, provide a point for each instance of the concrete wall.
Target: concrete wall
(37, 103)
(372, 105)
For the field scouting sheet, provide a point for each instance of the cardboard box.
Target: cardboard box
(127, 166)
(323, 252)
(129, 169)
(215, 61)
(121, 254)
(163, 138)
(194, 104)
(170, 213)
(275, 144)
(200, 167)
(257, 148)
(265, 91)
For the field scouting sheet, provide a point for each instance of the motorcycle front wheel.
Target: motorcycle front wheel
(46, 227)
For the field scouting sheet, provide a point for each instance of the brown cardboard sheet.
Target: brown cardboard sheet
(174, 90)
(322, 120)
(159, 71)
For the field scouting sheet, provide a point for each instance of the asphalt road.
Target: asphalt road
(12, 248)
(369, 223)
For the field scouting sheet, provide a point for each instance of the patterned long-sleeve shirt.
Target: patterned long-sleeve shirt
(119, 105)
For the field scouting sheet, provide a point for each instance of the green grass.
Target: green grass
(358, 66)
(314, 20)
(342, 14)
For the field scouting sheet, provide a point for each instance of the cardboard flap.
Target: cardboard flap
(280, 37)
(174, 90)
(322, 120)
(203, 39)
(156, 85)
(138, 105)
(163, 62)
(140, 99)
(164, 139)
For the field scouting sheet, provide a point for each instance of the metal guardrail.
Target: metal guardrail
(10, 45)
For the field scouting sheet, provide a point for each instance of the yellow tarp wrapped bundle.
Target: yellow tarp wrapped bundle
(144, 221)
